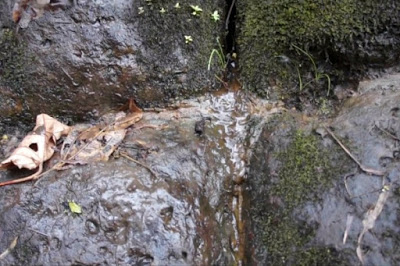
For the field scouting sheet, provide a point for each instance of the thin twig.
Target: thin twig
(9, 249)
(387, 133)
(69, 76)
(229, 15)
(37, 232)
(362, 167)
(139, 163)
(345, 183)
(60, 164)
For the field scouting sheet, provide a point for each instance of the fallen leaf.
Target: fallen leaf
(36, 148)
(96, 144)
(74, 207)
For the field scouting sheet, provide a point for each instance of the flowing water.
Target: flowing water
(237, 120)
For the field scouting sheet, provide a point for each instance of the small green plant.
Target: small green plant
(317, 74)
(220, 55)
(196, 10)
(215, 16)
(140, 10)
(188, 39)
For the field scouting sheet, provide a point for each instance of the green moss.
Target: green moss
(287, 242)
(343, 31)
(306, 171)
(13, 60)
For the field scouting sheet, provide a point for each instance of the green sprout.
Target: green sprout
(220, 55)
(141, 10)
(196, 10)
(318, 75)
(177, 5)
(215, 16)
(188, 39)
(162, 10)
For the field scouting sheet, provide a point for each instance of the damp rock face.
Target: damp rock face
(304, 189)
(341, 38)
(130, 216)
(79, 59)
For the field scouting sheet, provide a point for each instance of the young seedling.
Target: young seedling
(317, 75)
(188, 39)
(220, 55)
(215, 16)
(196, 10)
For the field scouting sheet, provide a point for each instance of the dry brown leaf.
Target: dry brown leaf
(82, 145)
(37, 147)
(52, 126)
(97, 145)
(30, 153)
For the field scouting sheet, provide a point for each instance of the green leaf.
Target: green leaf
(188, 39)
(215, 16)
(196, 10)
(74, 207)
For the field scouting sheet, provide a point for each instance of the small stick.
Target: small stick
(345, 184)
(69, 76)
(24, 179)
(9, 249)
(139, 163)
(37, 232)
(362, 167)
(387, 133)
(229, 15)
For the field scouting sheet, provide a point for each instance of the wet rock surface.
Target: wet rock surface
(309, 229)
(188, 211)
(81, 59)
(259, 185)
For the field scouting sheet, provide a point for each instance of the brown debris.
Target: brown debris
(36, 148)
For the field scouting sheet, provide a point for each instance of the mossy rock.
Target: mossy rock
(104, 54)
(343, 38)
(15, 74)
(291, 169)
(13, 60)
(182, 64)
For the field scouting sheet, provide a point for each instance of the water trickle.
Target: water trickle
(236, 122)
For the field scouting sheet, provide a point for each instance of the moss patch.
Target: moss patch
(13, 60)
(306, 172)
(340, 35)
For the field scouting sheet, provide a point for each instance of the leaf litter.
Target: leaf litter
(82, 144)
